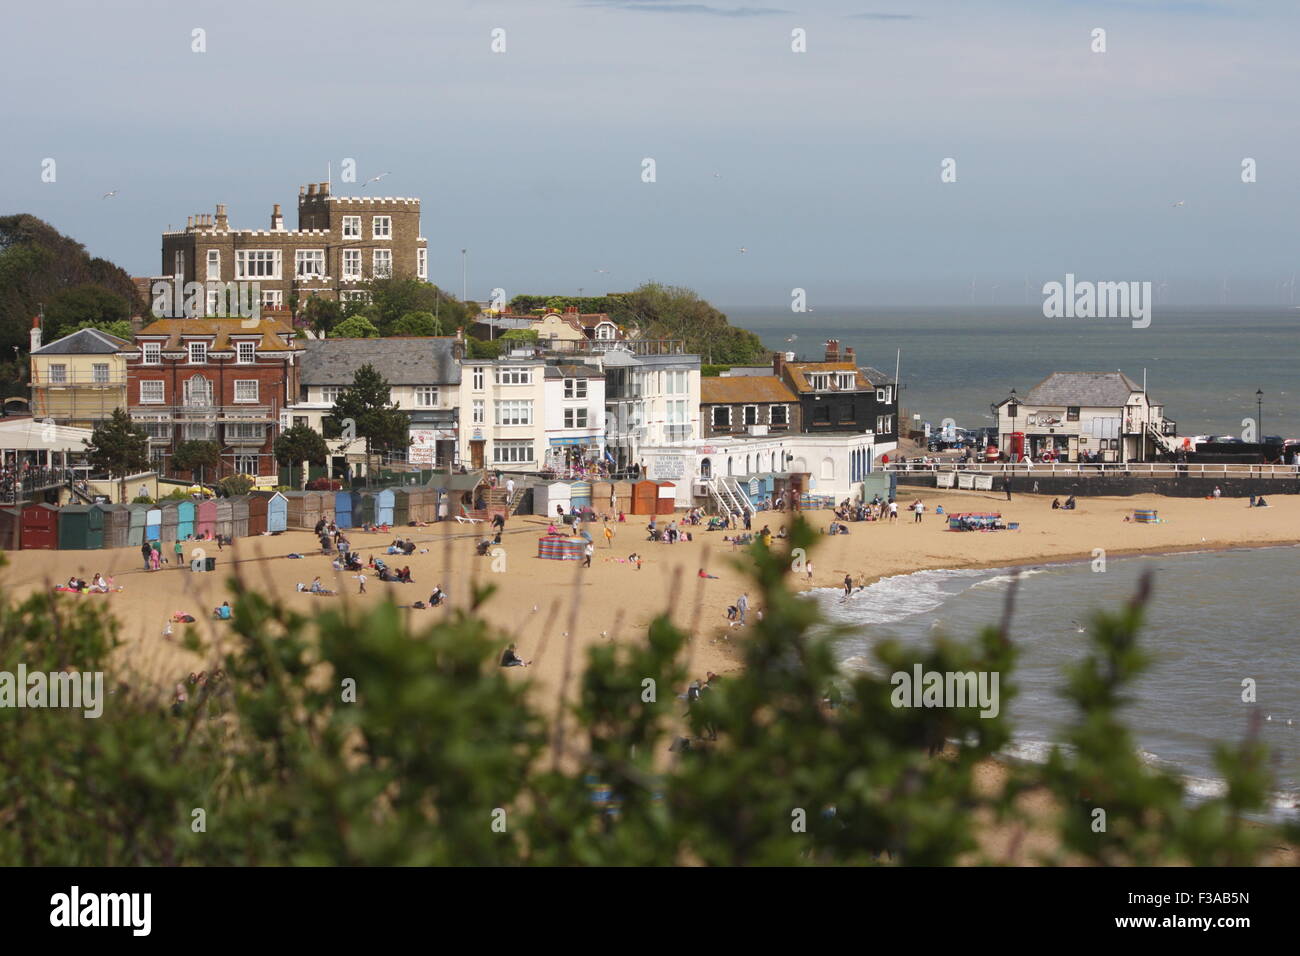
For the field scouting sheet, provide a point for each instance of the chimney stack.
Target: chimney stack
(36, 332)
(302, 191)
(850, 357)
(222, 221)
(277, 219)
(311, 189)
(833, 350)
(778, 365)
(324, 189)
(189, 223)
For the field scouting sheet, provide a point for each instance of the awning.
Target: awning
(586, 440)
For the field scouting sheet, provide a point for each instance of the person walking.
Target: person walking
(919, 508)
(155, 557)
(893, 510)
(587, 553)
(848, 584)
(1008, 487)
(146, 552)
(809, 568)
(748, 521)
(742, 608)
(361, 584)
(609, 535)
(510, 491)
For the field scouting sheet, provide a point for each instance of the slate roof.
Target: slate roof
(85, 342)
(574, 371)
(403, 361)
(716, 390)
(1104, 389)
(876, 376)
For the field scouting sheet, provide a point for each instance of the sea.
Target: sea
(1204, 364)
(1215, 619)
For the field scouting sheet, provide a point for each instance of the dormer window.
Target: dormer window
(246, 353)
(846, 381)
(819, 381)
(198, 353)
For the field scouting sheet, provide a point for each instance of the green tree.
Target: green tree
(300, 445)
(356, 327)
(416, 323)
(323, 315)
(232, 486)
(119, 448)
(85, 306)
(375, 418)
(196, 457)
(483, 348)
(122, 330)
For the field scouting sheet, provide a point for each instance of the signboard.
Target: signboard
(667, 467)
(423, 450)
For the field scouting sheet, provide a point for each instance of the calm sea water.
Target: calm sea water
(1215, 619)
(1205, 365)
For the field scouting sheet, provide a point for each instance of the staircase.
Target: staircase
(728, 497)
(1168, 443)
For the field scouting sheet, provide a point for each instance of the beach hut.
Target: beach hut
(256, 515)
(186, 518)
(645, 497)
(81, 528)
(277, 513)
(153, 523)
(171, 515)
(580, 494)
(363, 509)
(136, 526)
(117, 521)
(666, 501)
(417, 503)
(40, 527)
(239, 516)
(343, 509)
(558, 547)
(550, 495)
(401, 506)
(384, 507)
(11, 529)
(303, 509)
(327, 506)
(205, 519)
(225, 517)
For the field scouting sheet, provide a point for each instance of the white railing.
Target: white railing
(1161, 469)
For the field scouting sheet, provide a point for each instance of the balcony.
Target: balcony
(635, 346)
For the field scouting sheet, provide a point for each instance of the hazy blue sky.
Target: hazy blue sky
(824, 165)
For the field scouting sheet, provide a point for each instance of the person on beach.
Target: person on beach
(609, 535)
(587, 553)
(919, 508)
(178, 549)
(1217, 492)
(510, 491)
(155, 558)
(742, 608)
(848, 584)
(634, 558)
(808, 568)
(893, 510)
(511, 659)
(146, 552)
(437, 597)
(704, 575)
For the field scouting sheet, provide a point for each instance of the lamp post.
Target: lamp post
(1259, 414)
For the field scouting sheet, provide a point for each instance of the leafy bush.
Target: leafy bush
(142, 500)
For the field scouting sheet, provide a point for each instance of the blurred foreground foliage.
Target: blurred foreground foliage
(440, 756)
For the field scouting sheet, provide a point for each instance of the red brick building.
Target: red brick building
(216, 380)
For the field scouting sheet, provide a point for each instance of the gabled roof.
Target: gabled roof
(1104, 389)
(799, 372)
(85, 342)
(221, 330)
(416, 360)
(715, 390)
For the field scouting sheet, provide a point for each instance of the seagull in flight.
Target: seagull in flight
(1179, 203)
(600, 270)
(792, 338)
(743, 250)
(374, 179)
(109, 195)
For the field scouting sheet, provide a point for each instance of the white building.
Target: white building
(1084, 416)
(652, 397)
(835, 464)
(574, 414)
(501, 412)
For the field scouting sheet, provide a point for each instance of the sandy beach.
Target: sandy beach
(539, 601)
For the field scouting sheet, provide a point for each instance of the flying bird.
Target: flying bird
(743, 250)
(600, 270)
(374, 179)
(1179, 203)
(109, 195)
(792, 338)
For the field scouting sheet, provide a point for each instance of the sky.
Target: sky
(824, 165)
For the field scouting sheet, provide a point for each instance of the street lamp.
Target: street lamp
(1259, 414)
